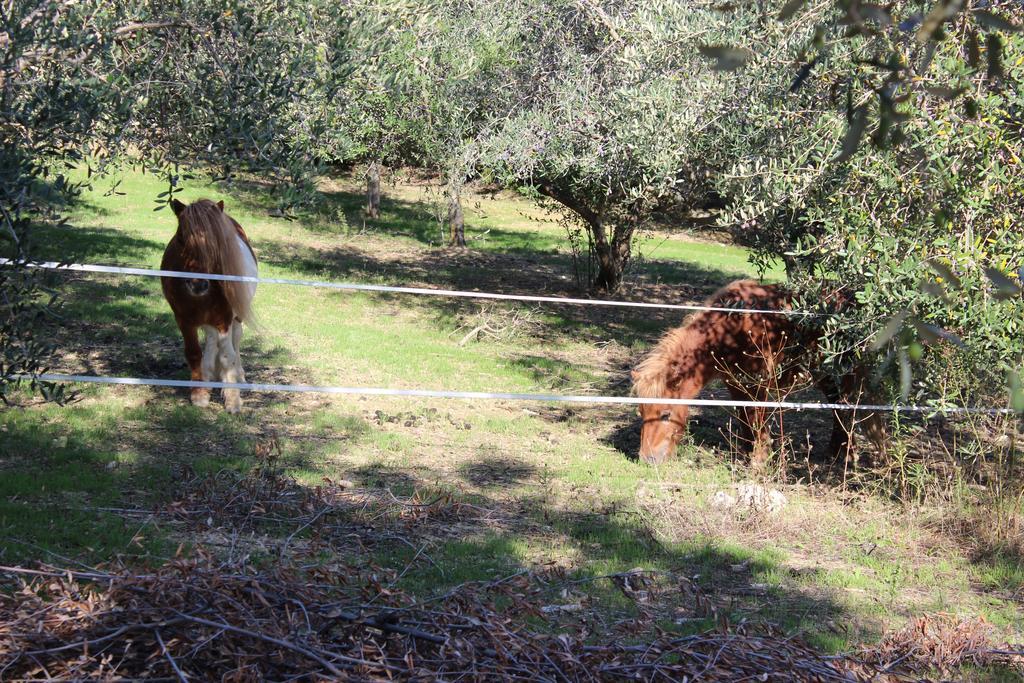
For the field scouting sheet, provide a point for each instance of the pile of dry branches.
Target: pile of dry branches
(190, 619)
(496, 323)
(942, 643)
(193, 620)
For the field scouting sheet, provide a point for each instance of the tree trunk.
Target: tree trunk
(611, 258)
(373, 190)
(609, 270)
(456, 222)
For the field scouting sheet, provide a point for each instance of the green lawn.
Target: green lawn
(537, 484)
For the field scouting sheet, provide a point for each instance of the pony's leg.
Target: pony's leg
(194, 356)
(231, 366)
(762, 446)
(211, 368)
(236, 342)
(753, 426)
(841, 444)
(748, 418)
(236, 345)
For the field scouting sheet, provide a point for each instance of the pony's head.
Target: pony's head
(194, 223)
(673, 369)
(662, 426)
(197, 287)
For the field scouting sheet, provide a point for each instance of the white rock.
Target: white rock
(750, 497)
(723, 501)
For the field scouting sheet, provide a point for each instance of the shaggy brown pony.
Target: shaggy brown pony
(210, 241)
(758, 356)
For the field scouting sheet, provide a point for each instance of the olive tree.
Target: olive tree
(222, 83)
(611, 117)
(429, 87)
(49, 103)
(892, 167)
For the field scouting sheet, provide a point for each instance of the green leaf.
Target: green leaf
(891, 329)
(994, 22)
(973, 50)
(858, 13)
(925, 332)
(933, 333)
(933, 289)
(876, 12)
(994, 49)
(790, 8)
(945, 93)
(1016, 392)
(905, 376)
(726, 58)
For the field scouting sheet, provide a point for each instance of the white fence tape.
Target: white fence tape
(471, 395)
(150, 272)
(489, 395)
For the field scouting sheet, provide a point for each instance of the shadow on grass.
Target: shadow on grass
(381, 476)
(93, 244)
(497, 471)
(610, 544)
(1003, 567)
(992, 541)
(123, 327)
(512, 263)
(67, 472)
(522, 271)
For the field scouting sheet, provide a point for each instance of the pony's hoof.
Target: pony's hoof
(201, 398)
(233, 404)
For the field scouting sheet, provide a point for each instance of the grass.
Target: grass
(558, 483)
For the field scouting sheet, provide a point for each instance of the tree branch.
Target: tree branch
(138, 26)
(592, 217)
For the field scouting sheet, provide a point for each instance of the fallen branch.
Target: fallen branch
(289, 646)
(174, 665)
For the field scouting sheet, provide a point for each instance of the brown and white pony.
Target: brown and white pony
(758, 356)
(210, 241)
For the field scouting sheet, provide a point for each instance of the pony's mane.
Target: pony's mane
(210, 236)
(651, 376)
